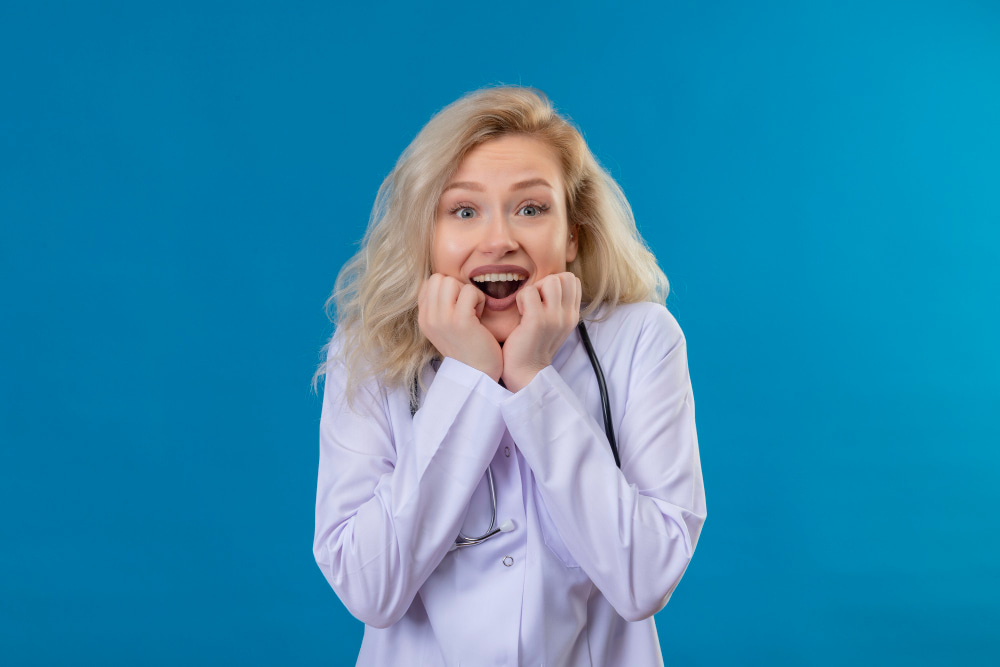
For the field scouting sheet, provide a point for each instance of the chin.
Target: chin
(501, 327)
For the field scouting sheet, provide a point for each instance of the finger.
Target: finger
(480, 303)
(570, 290)
(468, 299)
(448, 293)
(422, 296)
(430, 294)
(521, 294)
(528, 300)
(551, 291)
(425, 304)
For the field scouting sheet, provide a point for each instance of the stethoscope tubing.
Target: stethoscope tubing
(466, 541)
(605, 403)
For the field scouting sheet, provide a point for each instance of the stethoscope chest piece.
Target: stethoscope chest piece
(505, 527)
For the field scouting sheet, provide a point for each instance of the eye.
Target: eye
(533, 210)
(464, 212)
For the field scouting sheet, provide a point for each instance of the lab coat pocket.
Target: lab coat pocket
(550, 534)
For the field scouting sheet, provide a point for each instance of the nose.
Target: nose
(498, 237)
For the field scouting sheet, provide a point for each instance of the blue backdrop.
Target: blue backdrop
(180, 183)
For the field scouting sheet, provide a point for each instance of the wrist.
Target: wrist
(486, 368)
(516, 379)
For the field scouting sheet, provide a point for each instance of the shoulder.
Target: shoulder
(333, 354)
(644, 323)
(635, 338)
(637, 343)
(346, 375)
(343, 353)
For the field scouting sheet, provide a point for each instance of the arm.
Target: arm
(634, 530)
(389, 504)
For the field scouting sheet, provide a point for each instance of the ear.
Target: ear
(573, 243)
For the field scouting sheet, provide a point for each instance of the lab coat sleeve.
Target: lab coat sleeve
(634, 530)
(389, 505)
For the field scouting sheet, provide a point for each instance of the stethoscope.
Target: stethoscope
(464, 540)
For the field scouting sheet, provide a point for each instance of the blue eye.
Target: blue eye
(464, 212)
(533, 210)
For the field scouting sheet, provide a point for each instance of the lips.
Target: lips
(500, 283)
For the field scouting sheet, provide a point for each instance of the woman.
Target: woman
(458, 396)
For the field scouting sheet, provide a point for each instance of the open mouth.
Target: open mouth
(498, 285)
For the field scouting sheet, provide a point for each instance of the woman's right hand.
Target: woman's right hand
(448, 314)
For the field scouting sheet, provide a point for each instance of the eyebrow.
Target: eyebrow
(520, 185)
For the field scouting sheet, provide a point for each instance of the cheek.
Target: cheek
(556, 253)
(446, 251)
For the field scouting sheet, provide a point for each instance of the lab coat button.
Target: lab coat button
(506, 451)
(508, 561)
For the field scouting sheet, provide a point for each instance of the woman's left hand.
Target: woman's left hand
(550, 309)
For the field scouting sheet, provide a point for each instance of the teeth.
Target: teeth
(496, 277)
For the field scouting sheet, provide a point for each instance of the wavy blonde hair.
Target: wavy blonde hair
(375, 295)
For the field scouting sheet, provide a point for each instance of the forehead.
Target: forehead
(509, 158)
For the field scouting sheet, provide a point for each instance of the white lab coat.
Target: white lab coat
(595, 551)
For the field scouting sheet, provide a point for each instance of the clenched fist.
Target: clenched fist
(550, 309)
(448, 314)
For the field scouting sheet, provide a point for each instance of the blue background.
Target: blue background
(180, 183)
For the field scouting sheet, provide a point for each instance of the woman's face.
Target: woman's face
(501, 224)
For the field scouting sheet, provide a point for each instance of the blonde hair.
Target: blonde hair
(375, 294)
